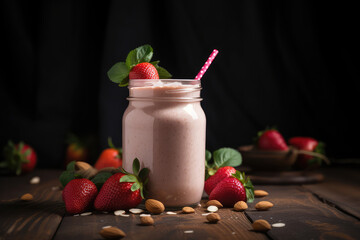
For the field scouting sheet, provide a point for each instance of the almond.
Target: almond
(240, 206)
(263, 205)
(79, 165)
(27, 197)
(260, 193)
(147, 221)
(112, 233)
(214, 203)
(188, 210)
(87, 173)
(213, 217)
(154, 206)
(261, 225)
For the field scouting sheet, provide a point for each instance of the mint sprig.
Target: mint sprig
(139, 178)
(221, 158)
(119, 73)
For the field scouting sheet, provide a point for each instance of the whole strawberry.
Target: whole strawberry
(306, 161)
(79, 195)
(122, 190)
(19, 158)
(233, 189)
(109, 157)
(271, 139)
(137, 66)
(221, 173)
(144, 71)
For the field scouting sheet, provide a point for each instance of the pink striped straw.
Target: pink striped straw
(207, 64)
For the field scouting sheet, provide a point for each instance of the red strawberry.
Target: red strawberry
(110, 157)
(305, 161)
(122, 190)
(19, 158)
(233, 189)
(271, 140)
(220, 174)
(79, 195)
(144, 70)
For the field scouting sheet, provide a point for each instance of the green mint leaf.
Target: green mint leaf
(163, 73)
(66, 177)
(155, 63)
(136, 166)
(227, 157)
(70, 166)
(138, 55)
(128, 178)
(100, 179)
(208, 155)
(119, 73)
(143, 174)
(135, 186)
(124, 82)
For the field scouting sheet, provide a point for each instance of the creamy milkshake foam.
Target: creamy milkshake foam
(164, 127)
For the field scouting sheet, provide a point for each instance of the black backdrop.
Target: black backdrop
(292, 64)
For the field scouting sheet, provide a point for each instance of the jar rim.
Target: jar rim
(159, 82)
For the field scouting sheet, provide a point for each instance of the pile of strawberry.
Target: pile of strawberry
(272, 139)
(223, 182)
(106, 191)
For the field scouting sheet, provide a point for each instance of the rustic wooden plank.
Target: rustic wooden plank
(305, 216)
(36, 219)
(340, 188)
(234, 225)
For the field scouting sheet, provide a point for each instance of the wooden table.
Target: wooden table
(327, 210)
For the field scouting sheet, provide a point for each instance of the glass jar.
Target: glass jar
(164, 127)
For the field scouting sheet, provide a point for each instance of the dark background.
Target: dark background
(290, 64)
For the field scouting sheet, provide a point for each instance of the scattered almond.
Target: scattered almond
(260, 193)
(213, 217)
(263, 205)
(188, 210)
(35, 180)
(119, 212)
(147, 221)
(240, 206)
(154, 206)
(27, 197)
(112, 233)
(261, 225)
(79, 165)
(87, 173)
(212, 208)
(214, 203)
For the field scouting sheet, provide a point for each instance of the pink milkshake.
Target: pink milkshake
(164, 127)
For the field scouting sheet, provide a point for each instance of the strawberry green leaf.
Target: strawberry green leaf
(135, 186)
(70, 166)
(66, 177)
(119, 73)
(143, 174)
(128, 178)
(136, 166)
(100, 179)
(208, 155)
(163, 73)
(227, 157)
(155, 63)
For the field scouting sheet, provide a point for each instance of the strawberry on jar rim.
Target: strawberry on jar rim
(19, 158)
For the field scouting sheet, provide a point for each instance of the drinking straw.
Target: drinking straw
(207, 64)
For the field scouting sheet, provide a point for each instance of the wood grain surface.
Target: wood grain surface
(328, 210)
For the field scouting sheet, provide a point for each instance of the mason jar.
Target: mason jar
(164, 127)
